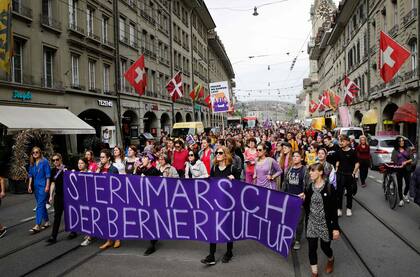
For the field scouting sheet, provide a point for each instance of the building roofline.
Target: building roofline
(216, 44)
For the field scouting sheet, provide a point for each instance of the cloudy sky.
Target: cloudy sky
(279, 34)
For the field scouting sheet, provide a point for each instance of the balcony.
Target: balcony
(148, 17)
(50, 23)
(108, 43)
(52, 84)
(178, 68)
(77, 86)
(94, 37)
(76, 29)
(394, 31)
(164, 61)
(21, 10)
(108, 92)
(409, 17)
(124, 40)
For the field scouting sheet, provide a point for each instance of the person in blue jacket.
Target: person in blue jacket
(39, 176)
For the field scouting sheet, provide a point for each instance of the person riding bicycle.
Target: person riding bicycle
(402, 156)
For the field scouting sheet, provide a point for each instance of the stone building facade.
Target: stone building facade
(348, 43)
(73, 54)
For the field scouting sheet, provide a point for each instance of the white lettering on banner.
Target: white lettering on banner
(284, 238)
(254, 188)
(111, 221)
(133, 191)
(219, 225)
(197, 225)
(104, 103)
(276, 239)
(199, 195)
(235, 220)
(83, 219)
(281, 210)
(158, 218)
(71, 210)
(143, 221)
(225, 192)
(127, 222)
(182, 194)
(112, 190)
(85, 176)
(73, 178)
(96, 177)
(260, 224)
(96, 219)
(178, 223)
(162, 187)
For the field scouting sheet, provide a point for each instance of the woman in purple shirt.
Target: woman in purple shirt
(402, 156)
(266, 169)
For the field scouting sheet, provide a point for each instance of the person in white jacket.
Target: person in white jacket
(195, 168)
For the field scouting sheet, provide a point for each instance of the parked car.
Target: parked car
(349, 131)
(381, 149)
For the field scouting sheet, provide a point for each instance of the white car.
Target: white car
(349, 131)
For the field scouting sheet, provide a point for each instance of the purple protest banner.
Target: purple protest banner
(131, 207)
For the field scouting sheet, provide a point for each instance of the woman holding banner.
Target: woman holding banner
(105, 166)
(222, 168)
(195, 168)
(320, 203)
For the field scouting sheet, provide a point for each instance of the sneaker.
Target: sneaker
(86, 242)
(406, 199)
(227, 257)
(348, 212)
(150, 251)
(401, 203)
(296, 246)
(209, 260)
(3, 232)
(34, 209)
(48, 206)
(339, 212)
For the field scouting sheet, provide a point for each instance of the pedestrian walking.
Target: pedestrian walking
(363, 156)
(57, 196)
(165, 167)
(295, 181)
(347, 167)
(195, 168)
(320, 202)
(106, 166)
(329, 171)
(3, 229)
(119, 160)
(250, 155)
(332, 150)
(222, 168)
(39, 177)
(83, 166)
(402, 157)
(266, 169)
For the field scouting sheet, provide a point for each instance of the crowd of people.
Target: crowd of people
(313, 165)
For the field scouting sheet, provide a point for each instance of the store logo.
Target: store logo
(105, 103)
(22, 95)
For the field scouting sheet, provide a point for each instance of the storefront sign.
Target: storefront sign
(22, 95)
(104, 103)
(151, 107)
(197, 107)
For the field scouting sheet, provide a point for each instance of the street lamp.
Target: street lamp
(255, 12)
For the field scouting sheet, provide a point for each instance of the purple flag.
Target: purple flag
(131, 207)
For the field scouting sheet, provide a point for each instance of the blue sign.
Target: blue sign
(22, 95)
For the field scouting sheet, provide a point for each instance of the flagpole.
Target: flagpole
(171, 60)
(418, 80)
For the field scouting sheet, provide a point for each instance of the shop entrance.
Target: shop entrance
(105, 132)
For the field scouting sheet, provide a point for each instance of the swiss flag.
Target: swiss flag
(136, 75)
(391, 57)
(313, 106)
(208, 101)
(174, 87)
(350, 90)
(326, 99)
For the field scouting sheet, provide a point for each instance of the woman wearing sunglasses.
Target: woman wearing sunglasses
(57, 196)
(222, 168)
(194, 167)
(266, 168)
(39, 176)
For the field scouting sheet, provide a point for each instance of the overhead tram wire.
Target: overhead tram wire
(240, 9)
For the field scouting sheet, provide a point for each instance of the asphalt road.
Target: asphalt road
(369, 248)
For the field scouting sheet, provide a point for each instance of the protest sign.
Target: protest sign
(212, 210)
(219, 93)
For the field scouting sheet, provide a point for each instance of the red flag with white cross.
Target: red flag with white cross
(136, 75)
(391, 57)
(174, 87)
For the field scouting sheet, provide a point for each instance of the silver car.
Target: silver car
(381, 149)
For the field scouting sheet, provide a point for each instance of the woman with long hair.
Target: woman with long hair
(105, 166)
(266, 168)
(119, 160)
(93, 166)
(320, 203)
(329, 171)
(39, 176)
(206, 154)
(222, 168)
(165, 167)
(250, 156)
(195, 168)
(363, 155)
(403, 157)
(131, 159)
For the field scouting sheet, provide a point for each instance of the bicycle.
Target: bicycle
(389, 183)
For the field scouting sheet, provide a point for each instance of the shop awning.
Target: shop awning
(55, 121)
(406, 113)
(370, 117)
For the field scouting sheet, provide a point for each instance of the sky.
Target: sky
(279, 33)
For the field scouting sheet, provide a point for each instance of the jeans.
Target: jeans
(58, 212)
(364, 169)
(229, 247)
(41, 201)
(313, 246)
(344, 182)
(403, 174)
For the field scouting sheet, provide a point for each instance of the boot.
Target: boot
(330, 266)
(107, 244)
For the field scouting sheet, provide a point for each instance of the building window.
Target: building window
(89, 17)
(105, 22)
(73, 13)
(395, 10)
(107, 71)
(413, 48)
(48, 67)
(122, 28)
(47, 11)
(75, 80)
(123, 69)
(17, 61)
(92, 74)
(132, 31)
